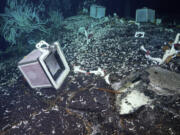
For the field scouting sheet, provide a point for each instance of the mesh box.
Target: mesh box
(44, 67)
(145, 15)
(97, 11)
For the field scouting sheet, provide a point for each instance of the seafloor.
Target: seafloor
(86, 104)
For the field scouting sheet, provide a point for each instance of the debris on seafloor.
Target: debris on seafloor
(77, 69)
(98, 72)
(133, 100)
(131, 97)
(168, 55)
(163, 82)
(101, 73)
(139, 34)
(147, 55)
(106, 78)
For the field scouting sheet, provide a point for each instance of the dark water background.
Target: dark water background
(167, 10)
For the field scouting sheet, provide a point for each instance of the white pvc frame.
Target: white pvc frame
(57, 84)
(139, 32)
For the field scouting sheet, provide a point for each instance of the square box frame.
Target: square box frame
(41, 57)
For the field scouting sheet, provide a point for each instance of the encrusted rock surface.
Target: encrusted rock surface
(163, 81)
(85, 104)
